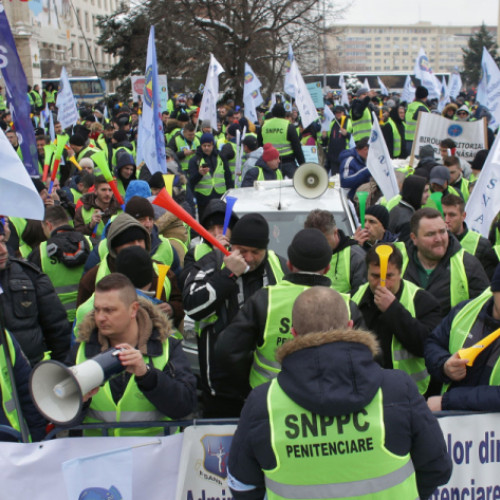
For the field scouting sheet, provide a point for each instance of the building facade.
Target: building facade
(384, 48)
(50, 34)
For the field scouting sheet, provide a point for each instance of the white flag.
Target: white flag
(484, 201)
(379, 162)
(52, 130)
(383, 88)
(251, 93)
(67, 113)
(408, 94)
(328, 117)
(105, 475)
(488, 90)
(289, 86)
(345, 98)
(15, 185)
(455, 83)
(208, 107)
(444, 99)
(366, 84)
(303, 99)
(423, 72)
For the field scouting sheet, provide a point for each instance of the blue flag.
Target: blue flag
(16, 87)
(151, 138)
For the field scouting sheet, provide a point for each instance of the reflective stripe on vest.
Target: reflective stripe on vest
(260, 177)
(133, 405)
(340, 270)
(277, 330)
(201, 250)
(393, 202)
(314, 460)
(64, 279)
(8, 405)
(363, 127)
(402, 359)
(470, 241)
(209, 183)
(396, 138)
(275, 131)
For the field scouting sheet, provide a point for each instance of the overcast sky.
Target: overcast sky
(445, 12)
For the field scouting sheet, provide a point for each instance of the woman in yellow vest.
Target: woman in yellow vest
(334, 424)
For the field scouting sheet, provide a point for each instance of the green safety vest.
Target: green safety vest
(20, 225)
(402, 359)
(393, 202)
(201, 250)
(8, 405)
(277, 330)
(260, 177)
(164, 253)
(65, 280)
(133, 406)
(278, 274)
(275, 131)
(318, 458)
(3, 104)
(37, 99)
(464, 189)
(103, 145)
(87, 152)
(87, 217)
(470, 241)
(76, 195)
(181, 144)
(459, 285)
(131, 152)
(50, 96)
(462, 325)
(411, 124)
(232, 163)
(209, 183)
(363, 127)
(396, 138)
(340, 270)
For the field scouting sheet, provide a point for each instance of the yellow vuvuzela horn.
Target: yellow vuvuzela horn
(383, 251)
(162, 274)
(471, 353)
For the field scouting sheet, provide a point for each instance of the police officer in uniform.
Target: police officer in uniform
(334, 424)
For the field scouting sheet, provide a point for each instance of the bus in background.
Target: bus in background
(85, 88)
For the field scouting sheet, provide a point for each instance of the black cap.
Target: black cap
(251, 230)
(309, 250)
(135, 263)
(379, 212)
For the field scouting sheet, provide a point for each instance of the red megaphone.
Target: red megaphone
(164, 200)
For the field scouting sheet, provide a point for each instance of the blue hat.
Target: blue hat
(206, 137)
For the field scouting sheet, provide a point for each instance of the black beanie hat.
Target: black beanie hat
(309, 250)
(139, 207)
(421, 92)
(136, 265)
(251, 230)
(130, 234)
(157, 181)
(77, 140)
(479, 159)
(495, 280)
(379, 212)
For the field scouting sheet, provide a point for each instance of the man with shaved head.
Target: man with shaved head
(333, 423)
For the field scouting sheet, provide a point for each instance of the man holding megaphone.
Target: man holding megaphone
(157, 383)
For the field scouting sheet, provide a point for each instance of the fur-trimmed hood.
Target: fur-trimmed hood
(331, 373)
(150, 319)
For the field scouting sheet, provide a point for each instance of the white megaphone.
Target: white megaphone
(310, 180)
(57, 390)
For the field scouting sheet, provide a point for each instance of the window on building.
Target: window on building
(87, 24)
(82, 52)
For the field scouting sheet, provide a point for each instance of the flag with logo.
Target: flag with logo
(408, 94)
(67, 113)
(484, 201)
(16, 87)
(343, 89)
(289, 85)
(251, 93)
(444, 98)
(328, 117)
(208, 107)
(303, 99)
(488, 90)
(428, 79)
(383, 89)
(151, 134)
(15, 185)
(379, 162)
(105, 475)
(455, 83)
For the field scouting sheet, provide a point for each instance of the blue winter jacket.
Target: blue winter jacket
(353, 171)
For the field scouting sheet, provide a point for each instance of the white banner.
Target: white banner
(383, 88)
(484, 201)
(455, 83)
(203, 463)
(343, 89)
(432, 129)
(379, 163)
(138, 89)
(251, 93)
(303, 98)
(408, 94)
(67, 113)
(423, 72)
(288, 85)
(488, 90)
(208, 107)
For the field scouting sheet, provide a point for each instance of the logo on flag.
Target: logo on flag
(424, 64)
(216, 448)
(455, 130)
(374, 136)
(248, 77)
(148, 86)
(100, 494)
